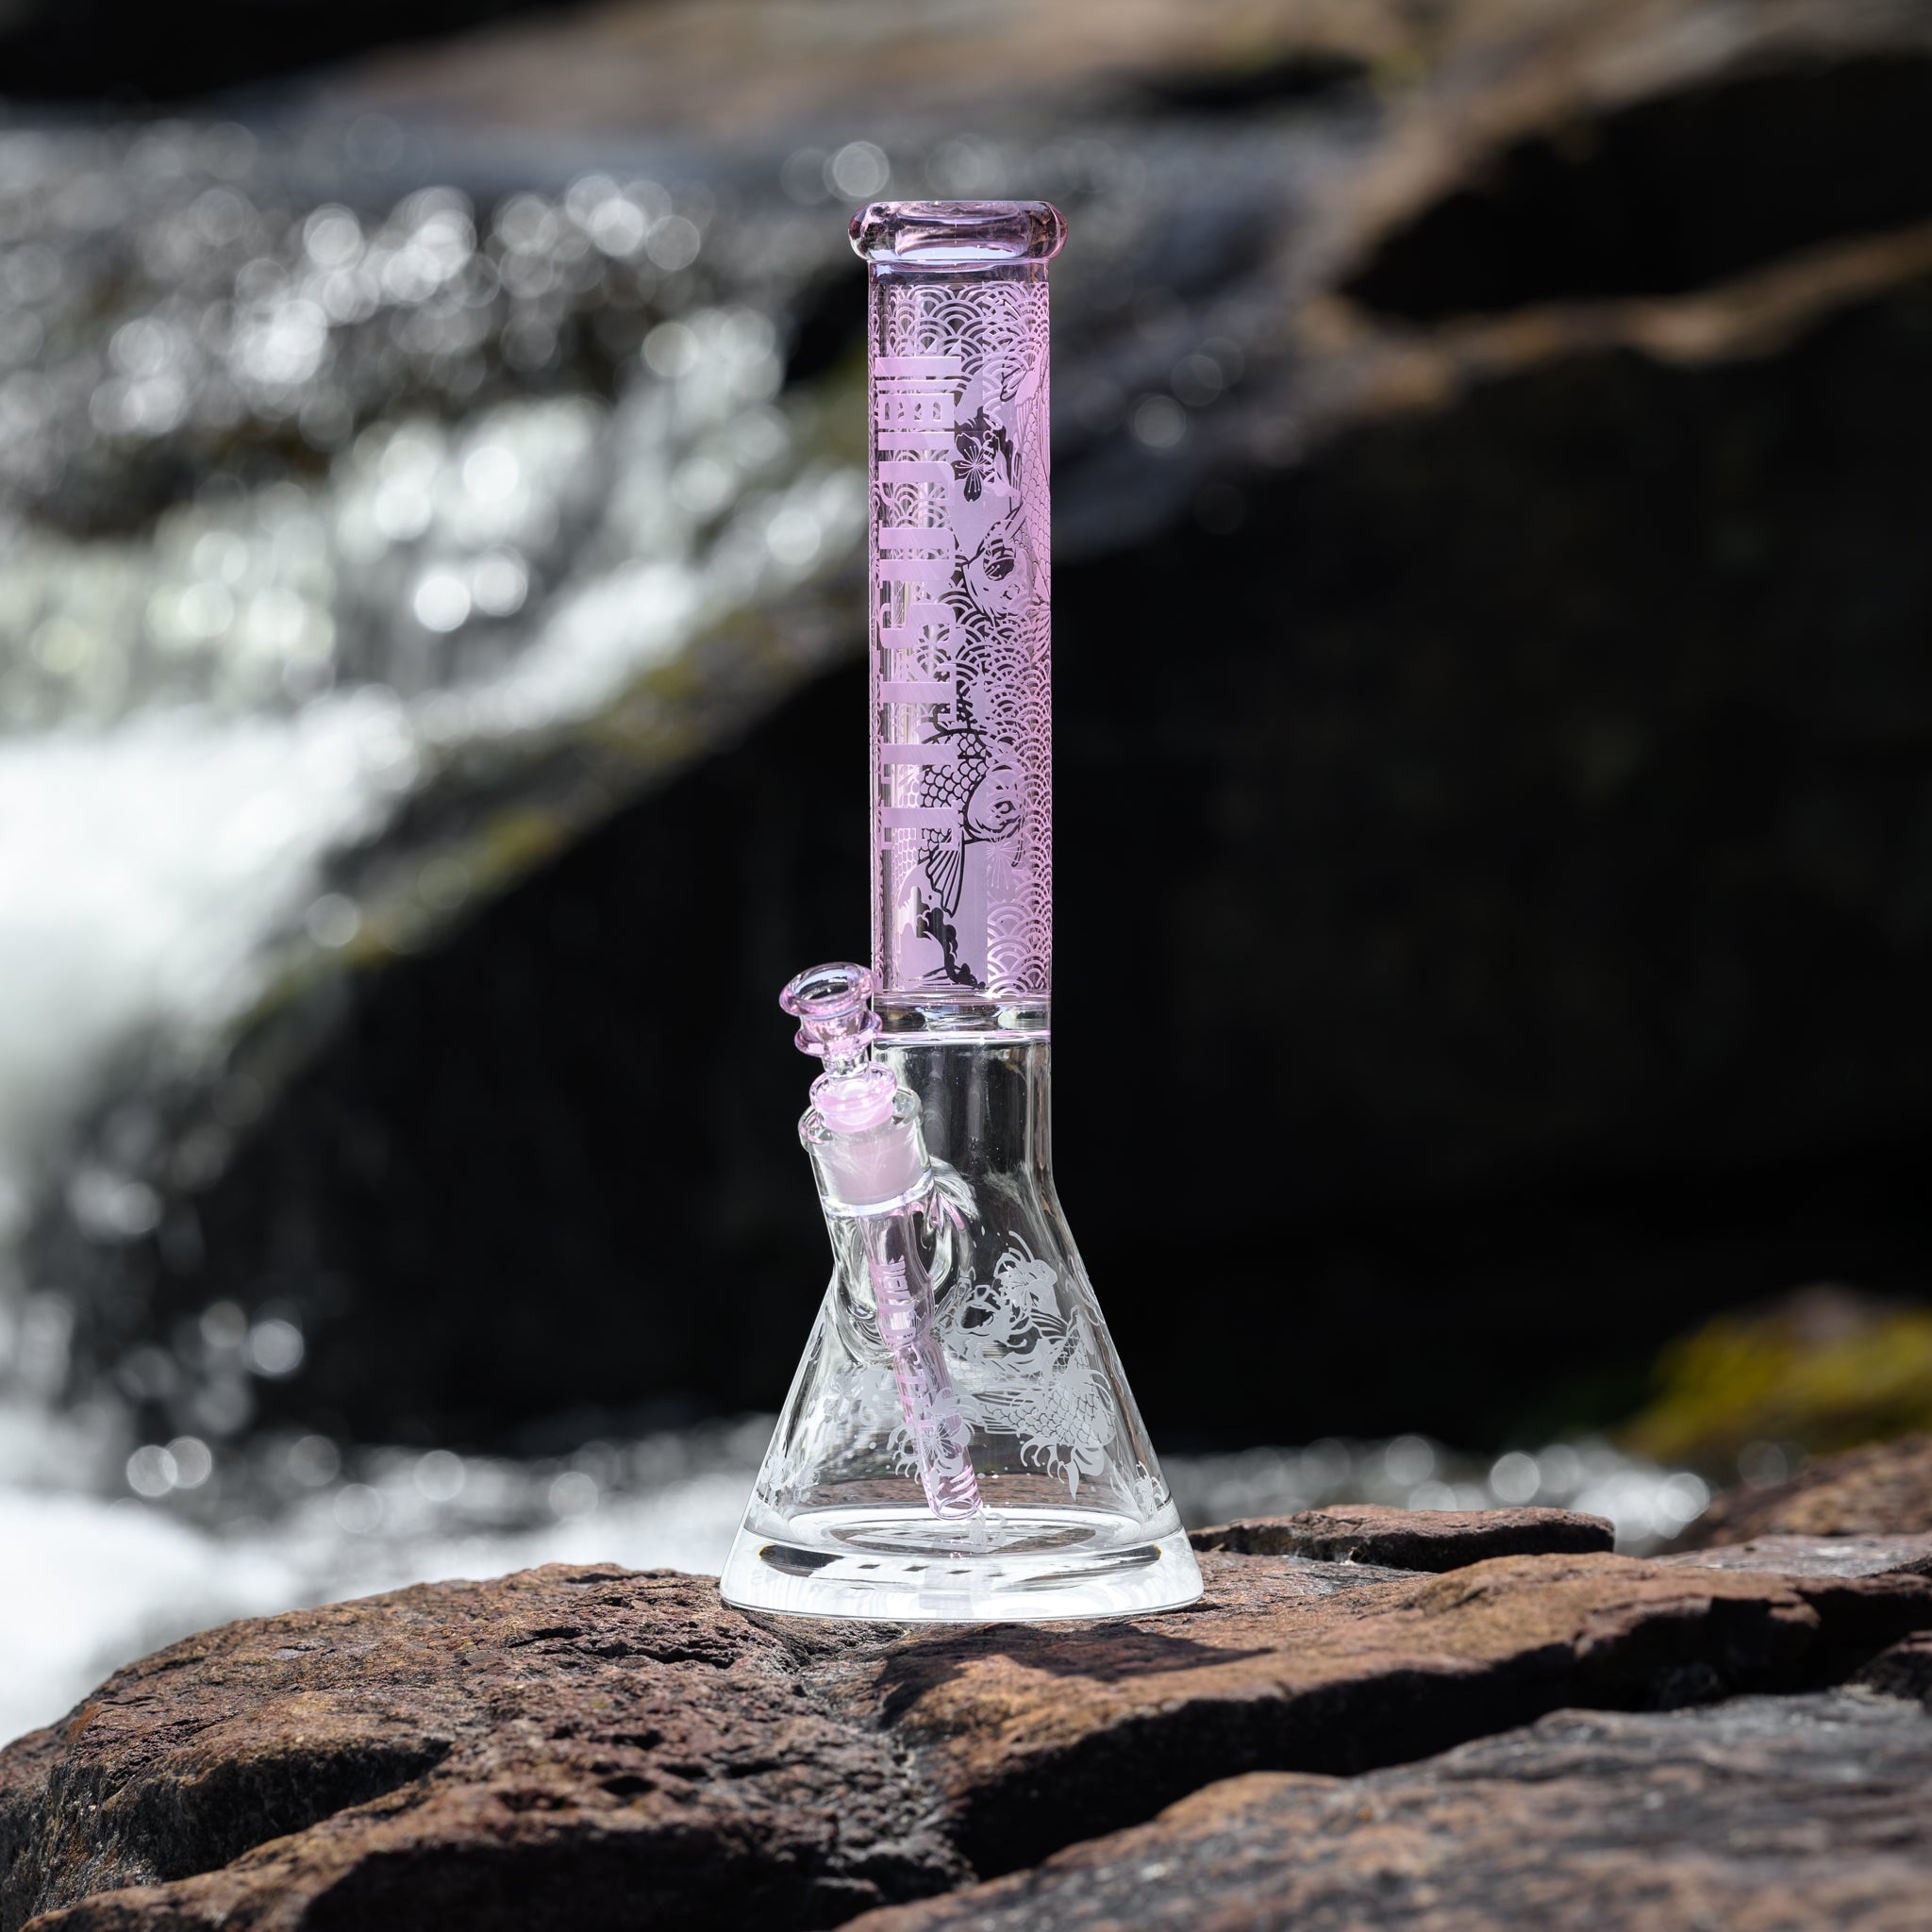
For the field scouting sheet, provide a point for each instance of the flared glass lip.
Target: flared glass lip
(958, 234)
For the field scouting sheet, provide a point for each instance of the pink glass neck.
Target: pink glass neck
(960, 598)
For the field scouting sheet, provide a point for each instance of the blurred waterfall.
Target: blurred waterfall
(353, 557)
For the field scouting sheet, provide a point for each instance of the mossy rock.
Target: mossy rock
(1825, 1367)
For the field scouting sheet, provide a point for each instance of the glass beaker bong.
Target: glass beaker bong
(959, 1442)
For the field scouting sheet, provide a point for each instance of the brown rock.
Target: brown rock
(430, 1757)
(1410, 1538)
(1763, 1812)
(1036, 1736)
(595, 1747)
(1816, 1556)
(1903, 1671)
(679, 67)
(1885, 1490)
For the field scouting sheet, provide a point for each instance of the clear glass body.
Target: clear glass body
(1077, 1521)
(982, 1332)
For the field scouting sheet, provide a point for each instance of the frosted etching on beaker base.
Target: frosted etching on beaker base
(1026, 1367)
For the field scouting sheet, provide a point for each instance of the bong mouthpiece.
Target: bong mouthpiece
(833, 1007)
(837, 1025)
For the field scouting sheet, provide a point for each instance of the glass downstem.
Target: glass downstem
(902, 1292)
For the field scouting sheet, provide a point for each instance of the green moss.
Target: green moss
(1825, 1367)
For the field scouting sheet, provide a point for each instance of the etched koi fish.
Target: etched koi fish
(986, 790)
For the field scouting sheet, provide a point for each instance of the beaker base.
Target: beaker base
(906, 1566)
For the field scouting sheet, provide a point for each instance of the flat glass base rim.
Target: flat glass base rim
(1168, 1579)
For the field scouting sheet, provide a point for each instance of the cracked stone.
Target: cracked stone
(1410, 1538)
(578, 1747)
(1762, 1813)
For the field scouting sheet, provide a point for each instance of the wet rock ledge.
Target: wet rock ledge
(1719, 1737)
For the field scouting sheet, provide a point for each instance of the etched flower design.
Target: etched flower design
(986, 456)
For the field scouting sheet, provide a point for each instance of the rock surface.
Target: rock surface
(1762, 1813)
(428, 1756)
(1816, 1556)
(1903, 1671)
(1885, 1490)
(1410, 1538)
(445, 1755)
